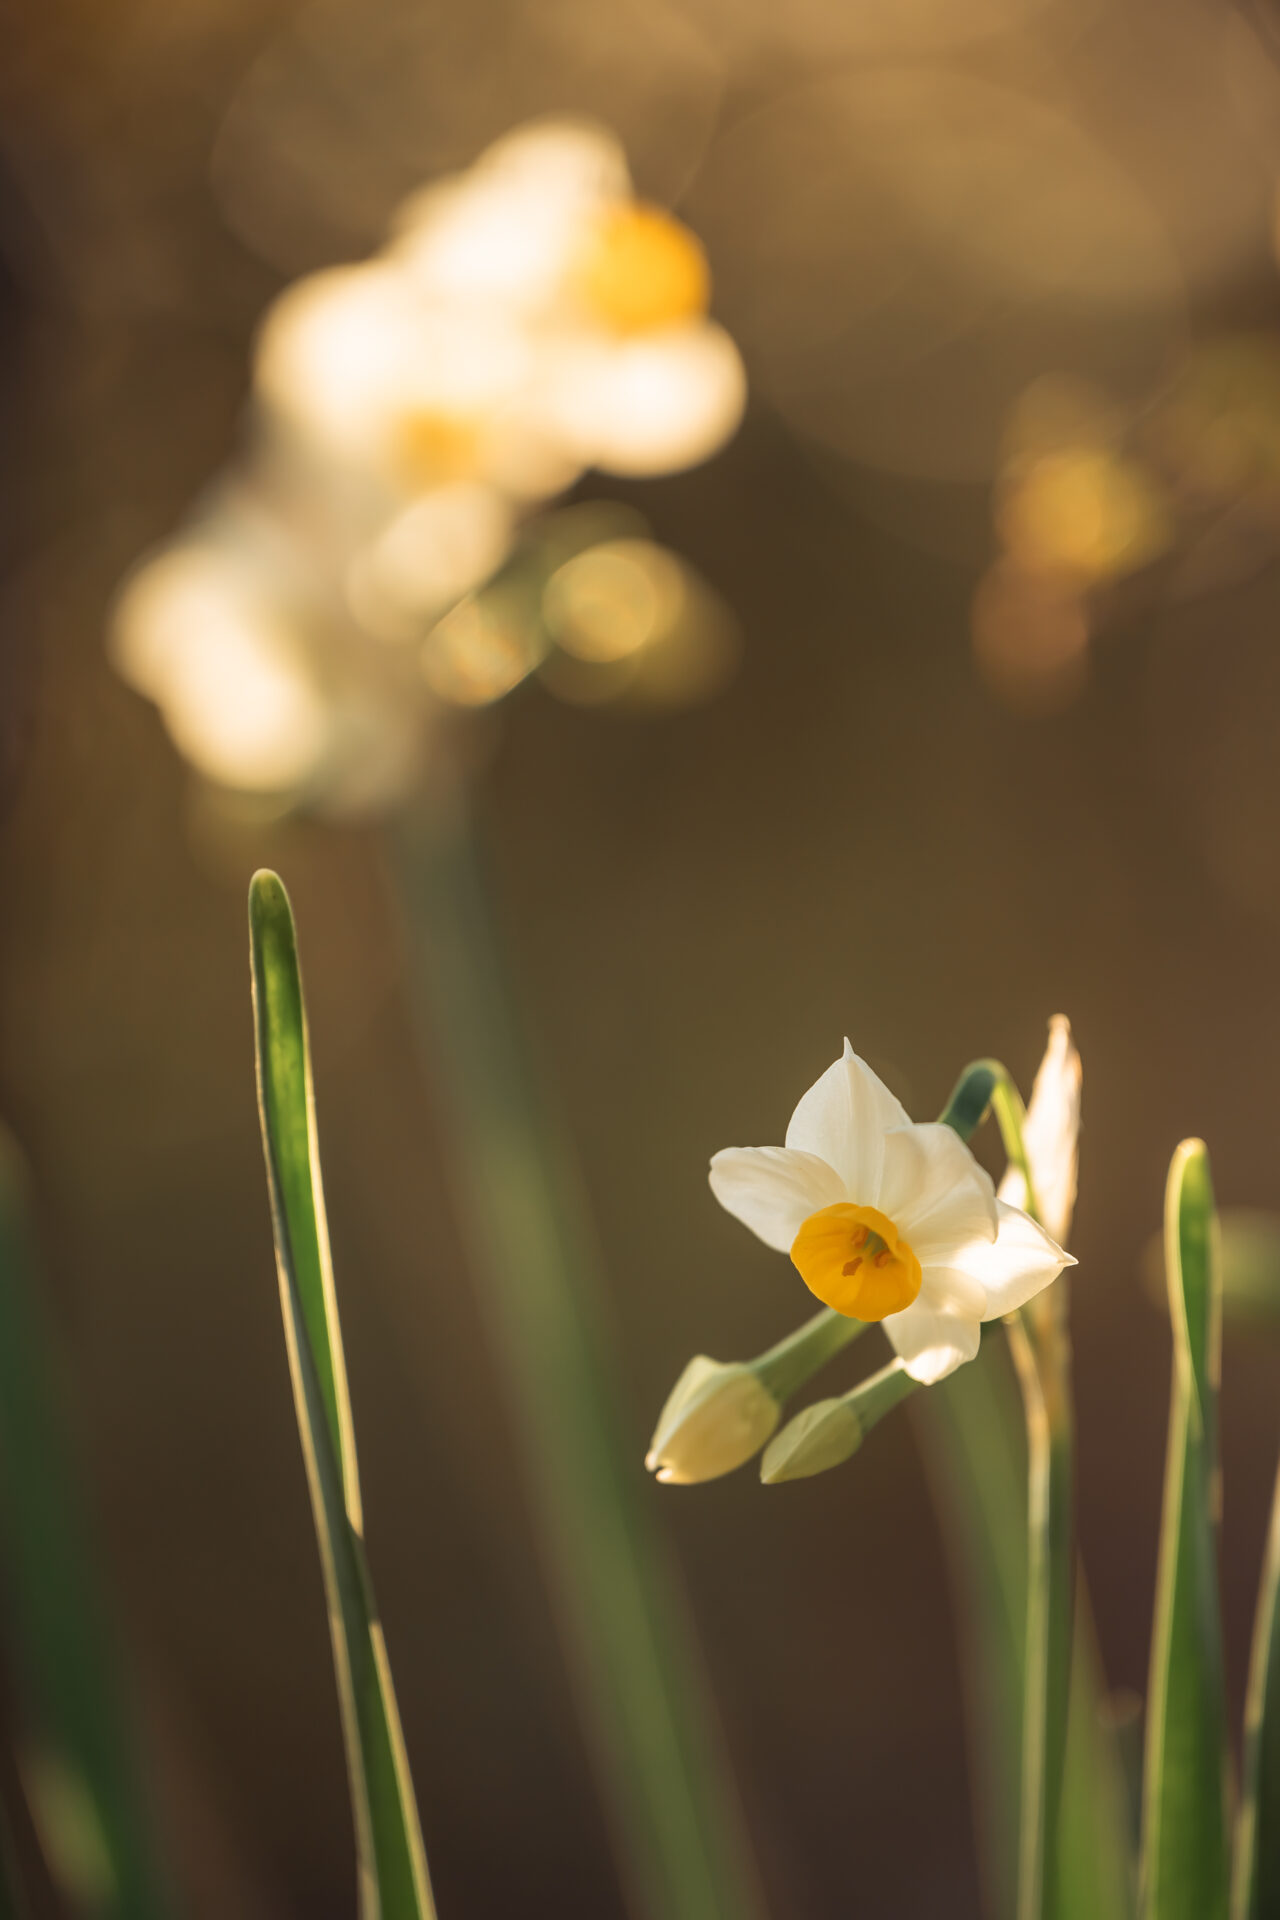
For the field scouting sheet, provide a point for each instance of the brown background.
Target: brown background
(857, 837)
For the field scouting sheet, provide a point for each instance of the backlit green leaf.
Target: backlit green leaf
(1184, 1838)
(392, 1865)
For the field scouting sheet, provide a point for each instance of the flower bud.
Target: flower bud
(1050, 1133)
(831, 1431)
(824, 1435)
(716, 1417)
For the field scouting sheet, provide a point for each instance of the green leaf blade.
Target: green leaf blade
(1185, 1828)
(392, 1866)
(1255, 1892)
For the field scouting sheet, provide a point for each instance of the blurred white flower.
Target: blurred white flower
(358, 362)
(264, 684)
(1050, 1135)
(367, 559)
(431, 554)
(198, 633)
(887, 1220)
(482, 648)
(646, 403)
(507, 231)
(629, 374)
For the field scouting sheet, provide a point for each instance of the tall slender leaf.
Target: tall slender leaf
(679, 1834)
(82, 1775)
(1184, 1838)
(392, 1865)
(1255, 1892)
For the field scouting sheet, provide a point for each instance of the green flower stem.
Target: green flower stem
(85, 1787)
(1185, 1780)
(1255, 1890)
(1041, 1354)
(872, 1398)
(786, 1367)
(679, 1833)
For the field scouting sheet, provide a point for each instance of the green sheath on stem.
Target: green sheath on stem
(1184, 1823)
(393, 1883)
(679, 1833)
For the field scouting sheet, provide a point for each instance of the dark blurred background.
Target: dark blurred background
(912, 212)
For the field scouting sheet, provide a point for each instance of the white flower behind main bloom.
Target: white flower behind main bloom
(889, 1220)
(376, 554)
(1050, 1134)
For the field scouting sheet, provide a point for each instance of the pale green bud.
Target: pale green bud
(831, 1431)
(824, 1435)
(716, 1417)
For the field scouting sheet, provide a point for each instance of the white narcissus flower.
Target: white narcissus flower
(1050, 1133)
(889, 1220)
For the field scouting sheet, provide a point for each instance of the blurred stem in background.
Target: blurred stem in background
(80, 1768)
(679, 1833)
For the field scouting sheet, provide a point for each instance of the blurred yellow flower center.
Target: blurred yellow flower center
(855, 1261)
(431, 446)
(642, 269)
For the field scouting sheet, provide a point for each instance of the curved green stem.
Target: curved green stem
(785, 1368)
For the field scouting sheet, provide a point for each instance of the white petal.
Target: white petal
(933, 1337)
(773, 1190)
(506, 230)
(934, 1191)
(843, 1119)
(1050, 1133)
(1022, 1260)
(653, 404)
